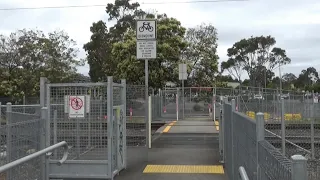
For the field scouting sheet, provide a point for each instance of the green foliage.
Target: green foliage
(201, 55)
(112, 52)
(197, 107)
(26, 55)
(252, 55)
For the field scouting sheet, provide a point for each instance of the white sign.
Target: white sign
(76, 106)
(183, 72)
(146, 49)
(146, 29)
(315, 99)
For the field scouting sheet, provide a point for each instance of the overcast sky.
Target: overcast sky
(294, 23)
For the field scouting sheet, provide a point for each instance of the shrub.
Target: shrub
(197, 107)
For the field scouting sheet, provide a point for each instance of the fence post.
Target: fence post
(214, 104)
(312, 126)
(177, 104)
(124, 101)
(9, 136)
(233, 107)
(224, 101)
(283, 129)
(44, 141)
(1, 120)
(260, 132)
(110, 125)
(299, 168)
(43, 95)
(55, 129)
(149, 122)
(221, 131)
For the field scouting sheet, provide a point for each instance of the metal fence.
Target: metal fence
(244, 144)
(20, 136)
(95, 129)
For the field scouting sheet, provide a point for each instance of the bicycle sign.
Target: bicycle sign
(146, 29)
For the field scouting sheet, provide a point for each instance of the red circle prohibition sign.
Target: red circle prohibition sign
(76, 103)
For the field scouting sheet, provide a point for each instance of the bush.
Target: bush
(197, 107)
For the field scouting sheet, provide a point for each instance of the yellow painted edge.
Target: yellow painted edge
(217, 125)
(190, 169)
(168, 127)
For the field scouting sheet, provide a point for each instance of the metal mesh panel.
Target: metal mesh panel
(87, 137)
(227, 112)
(245, 143)
(273, 165)
(20, 137)
(136, 125)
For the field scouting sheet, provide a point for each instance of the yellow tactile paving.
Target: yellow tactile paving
(217, 125)
(165, 130)
(190, 169)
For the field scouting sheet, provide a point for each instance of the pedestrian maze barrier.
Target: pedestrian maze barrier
(90, 117)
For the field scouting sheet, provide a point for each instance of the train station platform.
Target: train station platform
(187, 150)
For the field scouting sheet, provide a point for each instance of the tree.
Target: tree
(263, 76)
(307, 77)
(161, 70)
(201, 54)
(248, 54)
(233, 67)
(112, 52)
(26, 55)
(288, 80)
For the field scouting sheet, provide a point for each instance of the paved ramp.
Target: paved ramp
(185, 150)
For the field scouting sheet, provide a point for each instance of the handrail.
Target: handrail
(243, 173)
(37, 154)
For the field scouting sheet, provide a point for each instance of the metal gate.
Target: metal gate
(192, 102)
(90, 117)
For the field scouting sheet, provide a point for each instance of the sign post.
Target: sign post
(146, 49)
(182, 77)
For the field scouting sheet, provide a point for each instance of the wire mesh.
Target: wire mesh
(19, 138)
(136, 109)
(273, 165)
(87, 136)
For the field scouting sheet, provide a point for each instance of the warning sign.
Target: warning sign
(76, 106)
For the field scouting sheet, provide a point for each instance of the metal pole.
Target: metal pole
(146, 71)
(183, 100)
(283, 128)
(280, 80)
(312, 127)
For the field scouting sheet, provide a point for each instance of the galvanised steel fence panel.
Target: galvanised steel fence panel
(273, 165)
(135, 111)
(227, 118)
(245, 146)
(97, 140)
(245, 143)
(169, 102)
(20, 136)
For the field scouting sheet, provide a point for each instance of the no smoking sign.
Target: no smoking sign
(76, 106)
(76, 103)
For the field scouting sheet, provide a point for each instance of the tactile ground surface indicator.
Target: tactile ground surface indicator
(192, 169)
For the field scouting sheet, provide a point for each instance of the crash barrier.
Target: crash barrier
(267, 116)
(244, 144)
